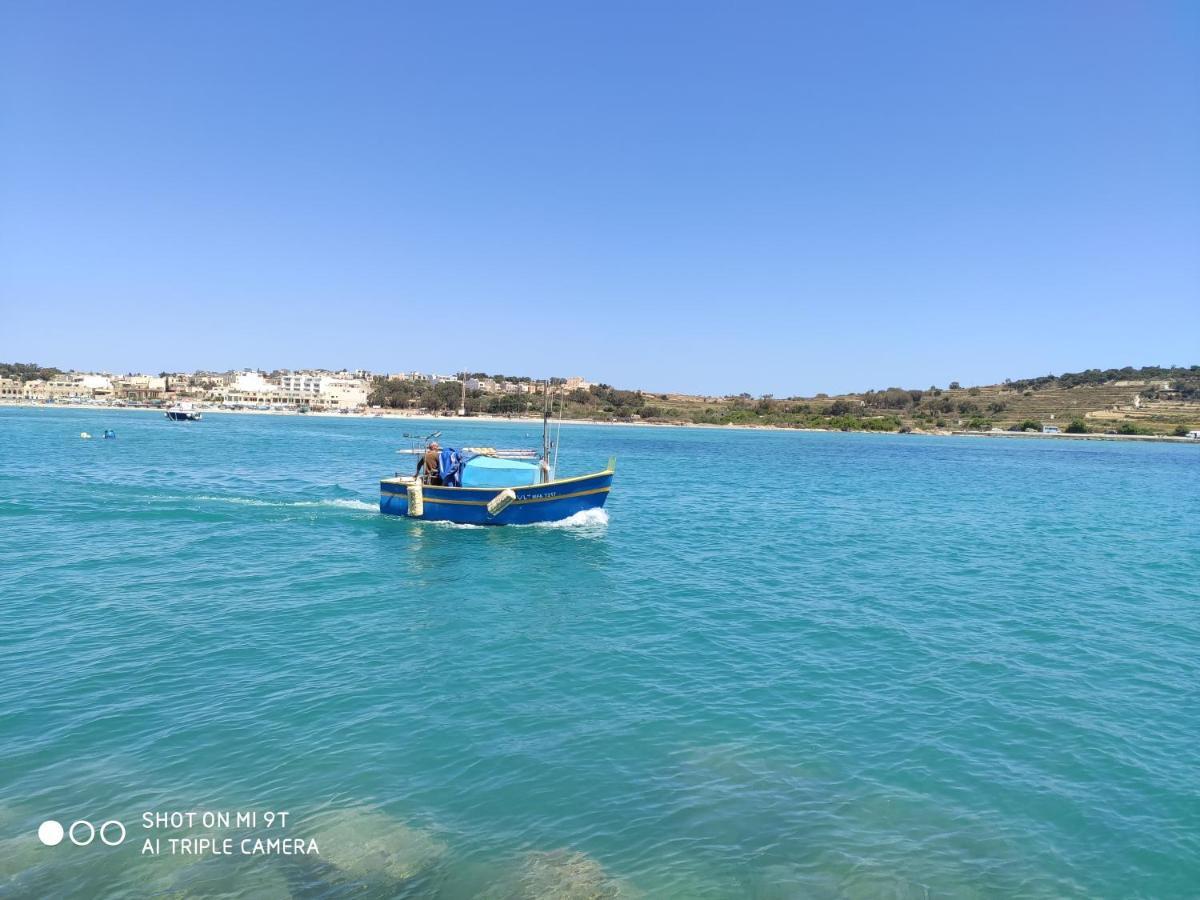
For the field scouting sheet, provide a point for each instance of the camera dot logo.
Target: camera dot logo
(50, 833)
(82, 832)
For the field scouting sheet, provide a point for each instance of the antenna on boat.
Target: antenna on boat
(423, 438)
(558, 430)
(418, 442)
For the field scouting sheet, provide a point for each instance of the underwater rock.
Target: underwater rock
(207, 881)
(367, 843)
(565, 875)
(20, 854)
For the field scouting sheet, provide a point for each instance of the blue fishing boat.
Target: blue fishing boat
(489, 486)
(547, 501)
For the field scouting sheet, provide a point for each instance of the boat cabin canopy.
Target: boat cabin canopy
(491, 471)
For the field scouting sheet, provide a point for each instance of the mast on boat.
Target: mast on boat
(545, 467)
(550, 463)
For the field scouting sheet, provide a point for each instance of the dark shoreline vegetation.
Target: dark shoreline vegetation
(1151, 400)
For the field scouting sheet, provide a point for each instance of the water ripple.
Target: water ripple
(894, 666)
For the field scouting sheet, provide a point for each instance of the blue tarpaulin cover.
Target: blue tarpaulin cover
(450, 463)
(488, 471)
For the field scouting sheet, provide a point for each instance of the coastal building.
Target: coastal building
(323, 390)
(139, 388)
(69, 386)
(98, 384)
(342, 391)
(300, 387)
(575, 383)
(203, 384)
(430, 377)
(238, 397)
(250, 382)
(483, 385)
(40, 389)
(181, 383)
(10, 389)
(247, 388)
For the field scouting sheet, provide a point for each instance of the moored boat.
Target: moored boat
(183, 412)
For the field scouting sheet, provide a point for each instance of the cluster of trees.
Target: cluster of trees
(396, 394)
(892, 398)
(794, 418)
(447, 396)
(608, 401)
(28, 371)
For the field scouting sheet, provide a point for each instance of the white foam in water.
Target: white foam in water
(342, 504)
(339, 503)
(585, 518)
(582, 520)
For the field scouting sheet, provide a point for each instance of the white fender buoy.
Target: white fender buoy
(416, 499)
(500, 502)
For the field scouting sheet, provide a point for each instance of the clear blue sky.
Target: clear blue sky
(778, 197)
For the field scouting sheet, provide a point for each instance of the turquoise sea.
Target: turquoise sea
(782, 665)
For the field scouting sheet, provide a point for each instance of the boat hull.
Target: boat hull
(549, 502)
(178, 416)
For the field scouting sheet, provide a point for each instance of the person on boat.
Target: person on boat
(429, 462)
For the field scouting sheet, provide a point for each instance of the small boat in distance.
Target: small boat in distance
(183, 412)
(489, 486)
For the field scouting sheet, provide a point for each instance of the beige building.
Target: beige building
(139, 387)
(342, 391)
(301, 388)
(323, 390)
(575, 383)
(483, 385)
(57, 389)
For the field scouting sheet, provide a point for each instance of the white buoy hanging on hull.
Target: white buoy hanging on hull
(500, 502)
(416, 499)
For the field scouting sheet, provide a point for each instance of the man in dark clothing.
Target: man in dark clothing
(430, 463)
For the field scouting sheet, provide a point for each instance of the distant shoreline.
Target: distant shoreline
(427, 417)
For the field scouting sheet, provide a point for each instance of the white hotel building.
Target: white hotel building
(340, 390)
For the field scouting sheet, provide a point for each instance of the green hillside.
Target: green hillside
(1151, 400)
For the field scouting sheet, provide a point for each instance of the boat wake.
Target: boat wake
(585, 518)
(336, 503)
(584, 521)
